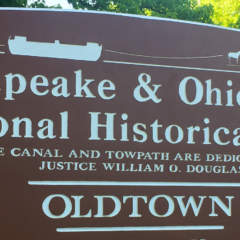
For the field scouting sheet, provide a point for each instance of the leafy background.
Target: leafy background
(220, 12)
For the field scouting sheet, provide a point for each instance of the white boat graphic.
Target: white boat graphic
(20, 46)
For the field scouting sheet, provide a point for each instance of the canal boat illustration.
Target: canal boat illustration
(19, 45)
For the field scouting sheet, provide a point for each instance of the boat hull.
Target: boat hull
(89, 52)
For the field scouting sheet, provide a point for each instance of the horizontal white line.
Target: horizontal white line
(2, 52)
(135, 184)
(160, 57)
(124, 229)
(170, 66)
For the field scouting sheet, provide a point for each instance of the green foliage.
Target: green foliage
(13, 3)
(179, 9)
(220, 12)
(91, 5)
(24, 3)
(42, 4)
(226, 12)
(38, 4)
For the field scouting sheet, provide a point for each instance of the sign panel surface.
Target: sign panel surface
(118, 126)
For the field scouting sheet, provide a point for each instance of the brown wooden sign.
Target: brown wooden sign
(118, 126)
